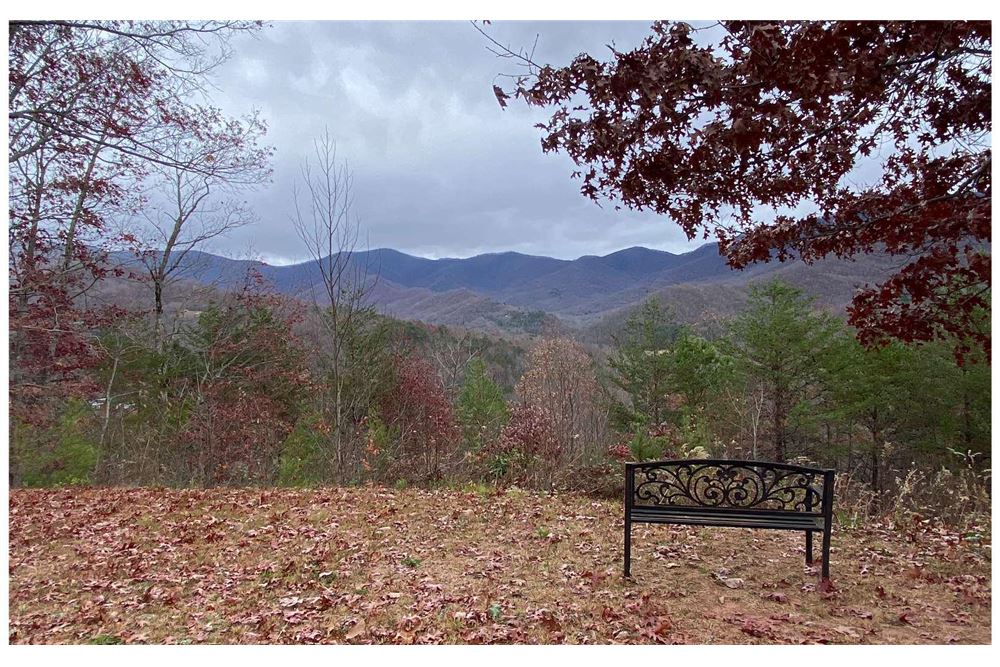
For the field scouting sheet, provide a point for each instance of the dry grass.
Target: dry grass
(370, 565)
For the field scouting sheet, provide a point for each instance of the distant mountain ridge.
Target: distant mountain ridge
(485, 291)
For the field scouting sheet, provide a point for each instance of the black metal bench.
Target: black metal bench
(740, 494)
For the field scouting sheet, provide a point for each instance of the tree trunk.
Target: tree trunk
(158, 312)
(778, 424)
(966, 413)
(874, 468)
(339, 431)
(874, 459)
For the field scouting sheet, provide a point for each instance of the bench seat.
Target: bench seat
(713, 517)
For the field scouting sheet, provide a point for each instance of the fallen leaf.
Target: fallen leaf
(731, 582)
(358, 630)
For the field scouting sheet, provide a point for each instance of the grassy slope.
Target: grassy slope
(372, 565)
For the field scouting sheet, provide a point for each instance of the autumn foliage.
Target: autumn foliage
(250, 377)
(802, 140)
(418, 410)
(191, 386)
(850, 137)
(94, 107)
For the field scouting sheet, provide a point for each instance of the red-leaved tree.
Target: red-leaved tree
(92, 105)
(417, 409)
(528, 451)
(801, 139)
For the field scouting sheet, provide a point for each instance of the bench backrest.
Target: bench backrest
(730, 485)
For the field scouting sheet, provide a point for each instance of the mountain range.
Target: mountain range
(515, 291)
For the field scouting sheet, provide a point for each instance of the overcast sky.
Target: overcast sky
(440, 169)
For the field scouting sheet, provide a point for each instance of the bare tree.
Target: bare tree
(561, 382)
(746, 413)
(100, 103)
(451, 356)
(350, 344)
(196, 197)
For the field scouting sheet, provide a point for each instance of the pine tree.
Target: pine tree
(641, 366)
(781, 344)
(481, 408)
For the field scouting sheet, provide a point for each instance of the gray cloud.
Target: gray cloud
(439, 168)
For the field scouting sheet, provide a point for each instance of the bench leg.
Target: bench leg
(628, 548)
(826, 551)
(809, 547)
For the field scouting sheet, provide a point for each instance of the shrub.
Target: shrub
(56, 455)
(959, 498)
(304, 461)
(527, 452)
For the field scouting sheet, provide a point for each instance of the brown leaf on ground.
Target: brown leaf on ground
(370, 565)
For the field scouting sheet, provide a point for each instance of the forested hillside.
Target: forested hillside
(495, 292)
(241, 393)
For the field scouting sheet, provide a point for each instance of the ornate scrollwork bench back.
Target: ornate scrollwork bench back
(716, 492)
(731, 484)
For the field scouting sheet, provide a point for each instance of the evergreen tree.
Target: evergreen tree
(641, 366)
(783, 345)
(699, 370)
(481, 409)
(911, 402)
(874, 389)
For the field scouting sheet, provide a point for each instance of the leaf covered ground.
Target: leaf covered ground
(373, 565)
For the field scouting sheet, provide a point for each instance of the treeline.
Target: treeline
(786, 382)
(249, 393)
